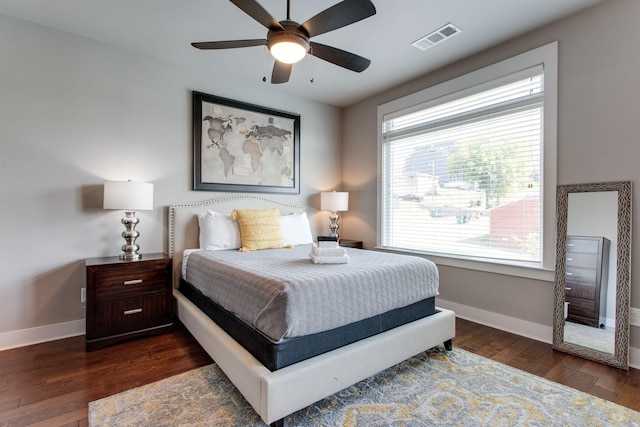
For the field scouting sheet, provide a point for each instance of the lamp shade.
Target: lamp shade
(334, 201)
(128, 195)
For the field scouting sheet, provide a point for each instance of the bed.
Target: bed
(278, 382)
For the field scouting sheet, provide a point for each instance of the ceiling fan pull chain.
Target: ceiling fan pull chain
(264, 64)
(311, 60)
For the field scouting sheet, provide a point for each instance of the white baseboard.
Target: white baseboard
(40, 334)
(516, 326)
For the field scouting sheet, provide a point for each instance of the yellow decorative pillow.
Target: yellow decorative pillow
(259, 229)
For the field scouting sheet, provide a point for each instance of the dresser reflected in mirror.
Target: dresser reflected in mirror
(590, 291)
(591, 313)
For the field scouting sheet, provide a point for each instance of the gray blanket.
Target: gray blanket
(283, 294)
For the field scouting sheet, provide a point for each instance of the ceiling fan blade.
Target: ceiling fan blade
(340, 57)
(281, 72)
(338, 16)
(257, 12)
(229, 44)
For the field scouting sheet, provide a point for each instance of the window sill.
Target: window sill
(517, 270)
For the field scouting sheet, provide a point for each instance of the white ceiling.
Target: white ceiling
(165, 29)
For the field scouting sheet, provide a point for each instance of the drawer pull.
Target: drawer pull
(567, 289)
(569, 274)
(134, 311)
(569, 259)
(132, 282)
(570, 245)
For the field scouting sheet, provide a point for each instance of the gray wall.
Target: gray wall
(598, 132)
(74, 113)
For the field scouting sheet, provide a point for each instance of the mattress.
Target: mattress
(281, 294)
(277, 355)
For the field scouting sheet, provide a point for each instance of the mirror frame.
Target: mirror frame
(620, 357)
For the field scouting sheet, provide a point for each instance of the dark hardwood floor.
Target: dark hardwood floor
(51, 384)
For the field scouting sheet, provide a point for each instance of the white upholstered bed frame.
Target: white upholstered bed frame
(276, 394)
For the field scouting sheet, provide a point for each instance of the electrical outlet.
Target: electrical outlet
(634, 316)
(83, 295)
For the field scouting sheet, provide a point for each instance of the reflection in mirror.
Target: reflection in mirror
(590, 289)
(591, 317)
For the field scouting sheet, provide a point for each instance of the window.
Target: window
(466, 167)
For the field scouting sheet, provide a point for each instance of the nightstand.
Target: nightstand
(351, 243)
(127, 299)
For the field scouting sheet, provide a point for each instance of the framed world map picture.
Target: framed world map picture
(242, 147)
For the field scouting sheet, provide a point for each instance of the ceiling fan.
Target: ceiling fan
(289, 41)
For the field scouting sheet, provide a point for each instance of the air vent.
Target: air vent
(436, 37)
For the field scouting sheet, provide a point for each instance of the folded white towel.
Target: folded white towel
(327, 244)
(344, 259)
(320, 251)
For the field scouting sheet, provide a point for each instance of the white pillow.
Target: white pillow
(218, 232)
(295, 229)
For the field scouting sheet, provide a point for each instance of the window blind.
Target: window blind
(462, 175)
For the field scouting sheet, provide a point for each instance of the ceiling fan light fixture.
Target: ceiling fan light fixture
(288, 47)
(288, 52)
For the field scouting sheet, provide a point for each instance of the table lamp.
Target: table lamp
(334, 201)
(129, 196)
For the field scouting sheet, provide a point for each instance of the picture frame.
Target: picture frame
(241, 147)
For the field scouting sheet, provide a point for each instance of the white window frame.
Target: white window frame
(547, 56)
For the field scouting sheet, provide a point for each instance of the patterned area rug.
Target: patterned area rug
(441, 388)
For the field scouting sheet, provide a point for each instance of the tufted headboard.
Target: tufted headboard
(183, 222)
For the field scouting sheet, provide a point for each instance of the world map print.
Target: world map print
(246, 148)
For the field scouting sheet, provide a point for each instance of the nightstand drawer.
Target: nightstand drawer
(131, 280)
(130, 314)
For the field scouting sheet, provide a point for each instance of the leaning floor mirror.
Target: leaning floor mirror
(593, 272)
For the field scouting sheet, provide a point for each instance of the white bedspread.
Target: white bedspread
(283, 294)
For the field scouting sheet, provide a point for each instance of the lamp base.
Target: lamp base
(130, 249)
(334, 224)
